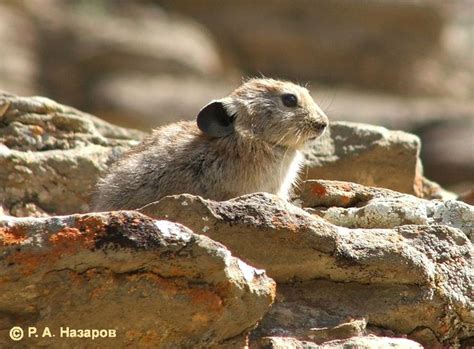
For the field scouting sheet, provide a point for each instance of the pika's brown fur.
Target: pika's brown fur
(247, 142)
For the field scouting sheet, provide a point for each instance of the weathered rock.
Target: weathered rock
(444, 125)
(355, 206)
(367, 342)
(155, 283)
(366, 154)
(52, 155)
(326, 273)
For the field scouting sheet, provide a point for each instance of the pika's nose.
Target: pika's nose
(318, 124)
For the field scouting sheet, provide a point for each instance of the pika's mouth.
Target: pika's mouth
(313, 138)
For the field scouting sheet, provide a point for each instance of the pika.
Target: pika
(250, 141)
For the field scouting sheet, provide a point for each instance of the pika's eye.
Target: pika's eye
(289, 100)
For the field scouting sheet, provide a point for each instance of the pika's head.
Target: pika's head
(274, 111)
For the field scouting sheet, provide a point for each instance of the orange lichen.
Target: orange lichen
(279, 223)
(206, 298)
(37, 130)
(28, 262)
(11, 236)
(318, 189)
(90, 224)
(66, 241)
(70, 240)
(345, 200)
(180, 286)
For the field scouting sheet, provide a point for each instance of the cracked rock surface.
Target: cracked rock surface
(155, 282)
(411, 279)
(51, 155)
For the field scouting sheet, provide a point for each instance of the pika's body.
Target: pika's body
(248, 142)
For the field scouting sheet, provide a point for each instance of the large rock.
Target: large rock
(444, 125)
(326, 273)
(366, 154)
(52, 155)
(355, 206)
(367, 342)
(155, 283)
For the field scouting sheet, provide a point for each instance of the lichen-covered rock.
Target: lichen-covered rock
(366, 154)
(52, 155)
(155, 283)
(327, 273)
(366, 342)
(355, 206)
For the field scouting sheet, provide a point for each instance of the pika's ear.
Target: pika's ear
(214, 120)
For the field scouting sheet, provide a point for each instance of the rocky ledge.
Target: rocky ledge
(386, 262)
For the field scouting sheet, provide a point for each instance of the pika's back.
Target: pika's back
(243, 143)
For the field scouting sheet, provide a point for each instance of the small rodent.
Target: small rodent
(249, 141)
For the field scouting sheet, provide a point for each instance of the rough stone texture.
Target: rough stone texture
(326, 273)
(51, 155)
(444, 125)
(355, 206)
(367, 342)
(155, 282)
(366, 154)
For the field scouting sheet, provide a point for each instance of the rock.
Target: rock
(444, 125)
(52, 155)
(284, 343)
(366, 154)
(326, 273)
(355, 206)
(367, 342)
(155, 283)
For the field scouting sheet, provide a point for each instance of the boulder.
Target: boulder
(366, 154)
(366, 342)
(327, 273)
(51, 155)
(355, 206)
(153, 283)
